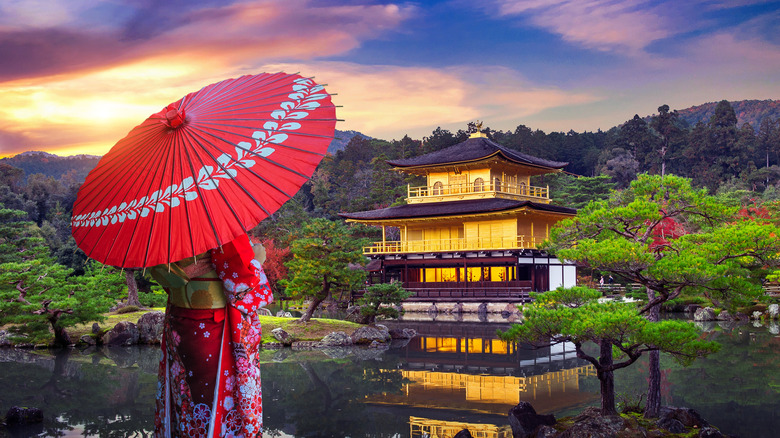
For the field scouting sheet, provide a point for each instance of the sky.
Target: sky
(77, 75)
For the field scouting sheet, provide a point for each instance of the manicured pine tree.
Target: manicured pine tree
(674, 240)
(37, 294)
(381, 300)
(576, 316)
(326, 255)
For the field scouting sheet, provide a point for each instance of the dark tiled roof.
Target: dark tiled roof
(474, 149)
(452, 208)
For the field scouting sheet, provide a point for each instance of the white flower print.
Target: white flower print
(228, 403)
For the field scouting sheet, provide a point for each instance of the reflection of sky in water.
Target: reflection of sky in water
(457, 375)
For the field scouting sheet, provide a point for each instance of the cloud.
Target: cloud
(388, 101)
(242, 33)
(380, 101)
(12, 142)
(69, 80)
(607, 25)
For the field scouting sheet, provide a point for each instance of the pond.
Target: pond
(455, 374)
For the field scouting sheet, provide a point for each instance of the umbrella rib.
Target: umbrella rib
(303, 134)
(238, 87)
(252, 104)
(266, 158)
(157, 201)
(245, 190)
(250, 89)
(110, 164)
(262, 178)
(187, 210)
(98, 240)
(200, 196)
(137, 223)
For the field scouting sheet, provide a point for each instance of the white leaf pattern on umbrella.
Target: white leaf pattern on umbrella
(303, 98)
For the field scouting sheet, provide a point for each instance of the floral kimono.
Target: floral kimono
(209, 379)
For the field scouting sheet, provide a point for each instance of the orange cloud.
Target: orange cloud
(383, 101)
(90, 86)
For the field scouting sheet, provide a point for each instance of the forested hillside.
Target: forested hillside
(738, 161)
(747, 111)
(78, 166)
(718, 153)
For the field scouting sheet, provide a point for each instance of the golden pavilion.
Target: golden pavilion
(471, 234)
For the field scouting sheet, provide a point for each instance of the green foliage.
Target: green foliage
(572, 297)
(578, 317)
(672, 239)
(379, 299)
(326, 255)
(575, 192)
(37, 294)
(156, 298)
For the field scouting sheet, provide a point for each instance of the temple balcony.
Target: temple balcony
(449, 245)
(477, 190)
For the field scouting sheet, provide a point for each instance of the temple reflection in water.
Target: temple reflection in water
(459, 375)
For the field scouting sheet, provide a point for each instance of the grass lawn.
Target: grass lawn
(313, 330)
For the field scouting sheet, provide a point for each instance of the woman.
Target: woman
(209, 379)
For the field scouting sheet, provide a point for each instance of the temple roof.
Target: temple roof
(453, 208)
(475, 149)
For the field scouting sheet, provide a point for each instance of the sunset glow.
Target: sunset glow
(77, 76)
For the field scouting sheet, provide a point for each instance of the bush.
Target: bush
(127, 309)
(636, 295)
(156, 298)
(379, 300)
(679, 304)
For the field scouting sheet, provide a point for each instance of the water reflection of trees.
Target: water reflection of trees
(327, 398)
(736, 389)
(82, 388)
(739, 387)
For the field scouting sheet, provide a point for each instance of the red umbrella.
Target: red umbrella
(203, 170)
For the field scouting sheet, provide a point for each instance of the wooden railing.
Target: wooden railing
(617, 288)
(445, 245)
(504, 291)
(472, 292)
(772, 290)
(521, 190)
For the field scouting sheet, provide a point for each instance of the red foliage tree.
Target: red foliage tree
(275, 258)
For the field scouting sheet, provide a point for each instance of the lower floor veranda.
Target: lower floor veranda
(499, 276)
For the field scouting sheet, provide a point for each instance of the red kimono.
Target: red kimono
(209, 379)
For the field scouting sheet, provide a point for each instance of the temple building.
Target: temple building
(471, 234)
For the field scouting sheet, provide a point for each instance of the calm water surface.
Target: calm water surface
(455, 374)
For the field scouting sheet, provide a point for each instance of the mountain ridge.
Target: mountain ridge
(748, 111)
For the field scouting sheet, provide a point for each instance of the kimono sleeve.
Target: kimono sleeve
(245, 283)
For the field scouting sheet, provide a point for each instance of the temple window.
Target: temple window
(479, 184)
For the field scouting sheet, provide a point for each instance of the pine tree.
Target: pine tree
(576, 316)
(37, 295)
(326, 255)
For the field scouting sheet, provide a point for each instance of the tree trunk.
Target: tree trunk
(653, 368)
(61, 337)
(319, 298)
(323, 393)
(607, 379)
(132, 288)
(310, 310)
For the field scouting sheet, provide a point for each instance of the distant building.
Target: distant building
(471, 233)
